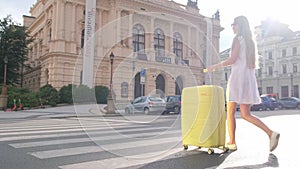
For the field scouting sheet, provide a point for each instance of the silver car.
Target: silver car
(146, 105)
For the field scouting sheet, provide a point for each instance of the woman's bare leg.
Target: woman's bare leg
(245, 113)
(231, 123)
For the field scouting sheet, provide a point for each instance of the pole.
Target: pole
(111, 72)
(110, 101)
(3, 96)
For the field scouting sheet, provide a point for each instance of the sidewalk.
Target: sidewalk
(59, 111)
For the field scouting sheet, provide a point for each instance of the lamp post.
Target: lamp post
(3, 96)
(110, 103)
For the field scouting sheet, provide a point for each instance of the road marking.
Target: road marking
(95, 139)
(95, 149)
(122, 162)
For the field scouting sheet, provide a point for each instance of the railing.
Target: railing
(167, 60)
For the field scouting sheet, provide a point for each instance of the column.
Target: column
(73, 27)
(171, 37)
(118, 27)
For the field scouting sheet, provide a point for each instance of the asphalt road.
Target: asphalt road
(79, 137)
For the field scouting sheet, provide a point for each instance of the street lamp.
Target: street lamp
(110, 103)
(3, 96)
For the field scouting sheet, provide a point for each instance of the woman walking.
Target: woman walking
(242, 84)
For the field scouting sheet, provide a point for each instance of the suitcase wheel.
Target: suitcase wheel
(185, 147)
(210, 151)
(225, 149)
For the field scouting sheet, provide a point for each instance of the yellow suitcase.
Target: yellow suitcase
(203, 118)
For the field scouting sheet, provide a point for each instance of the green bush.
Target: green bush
(101, 93)
(28, 98)
(83, 94)
(65, 94)
(48, 95)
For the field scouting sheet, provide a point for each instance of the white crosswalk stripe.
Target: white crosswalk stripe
(55, 139)
(122, 162)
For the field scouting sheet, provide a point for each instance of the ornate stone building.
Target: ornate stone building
(279, 48)
(169, 43)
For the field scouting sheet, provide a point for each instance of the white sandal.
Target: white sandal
(232, 147)
(274, 140)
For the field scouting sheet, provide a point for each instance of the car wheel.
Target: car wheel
(146, 110)
(176, 110)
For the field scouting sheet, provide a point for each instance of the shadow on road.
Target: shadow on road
(190, 160)
(272, 162)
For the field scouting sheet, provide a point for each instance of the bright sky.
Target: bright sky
(255, 10)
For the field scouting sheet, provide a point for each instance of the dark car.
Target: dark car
(173, 104)
(289, 102)
(258, 107)
(269, 102)
(146, 104)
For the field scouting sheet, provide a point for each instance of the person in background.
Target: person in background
(242, 85)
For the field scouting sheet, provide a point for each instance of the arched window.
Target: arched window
(124, 89)
(138, 41)
(160, 85)
(177, 44)
(159, 43)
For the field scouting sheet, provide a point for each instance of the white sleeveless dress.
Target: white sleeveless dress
(242, 84)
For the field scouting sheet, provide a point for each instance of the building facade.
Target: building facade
(160, 46)
(279, 48)
(279, 51)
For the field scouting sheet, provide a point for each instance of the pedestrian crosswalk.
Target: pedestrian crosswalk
(86, 143)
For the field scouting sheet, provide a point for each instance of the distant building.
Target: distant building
(172, 42)
(279, 50)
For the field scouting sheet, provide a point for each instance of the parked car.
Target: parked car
(269, 102)
(173, 104)
(146, 105)
(258, 107)
(289, 102)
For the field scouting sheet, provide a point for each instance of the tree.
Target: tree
(13, 42)
(48, 95)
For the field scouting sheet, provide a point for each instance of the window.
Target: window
(295, 67)
(260, 72)
(269, 90)
(294, 51)
(40, 48)
(260, 90)
(270, 70)
(177, 45)
(284, 68)
(270, 55)
(82, 38)
(124, 89)
(296, 91)
(283, 53)
(138, 35)
(284, 91)
(159, 43)
(50, 33)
